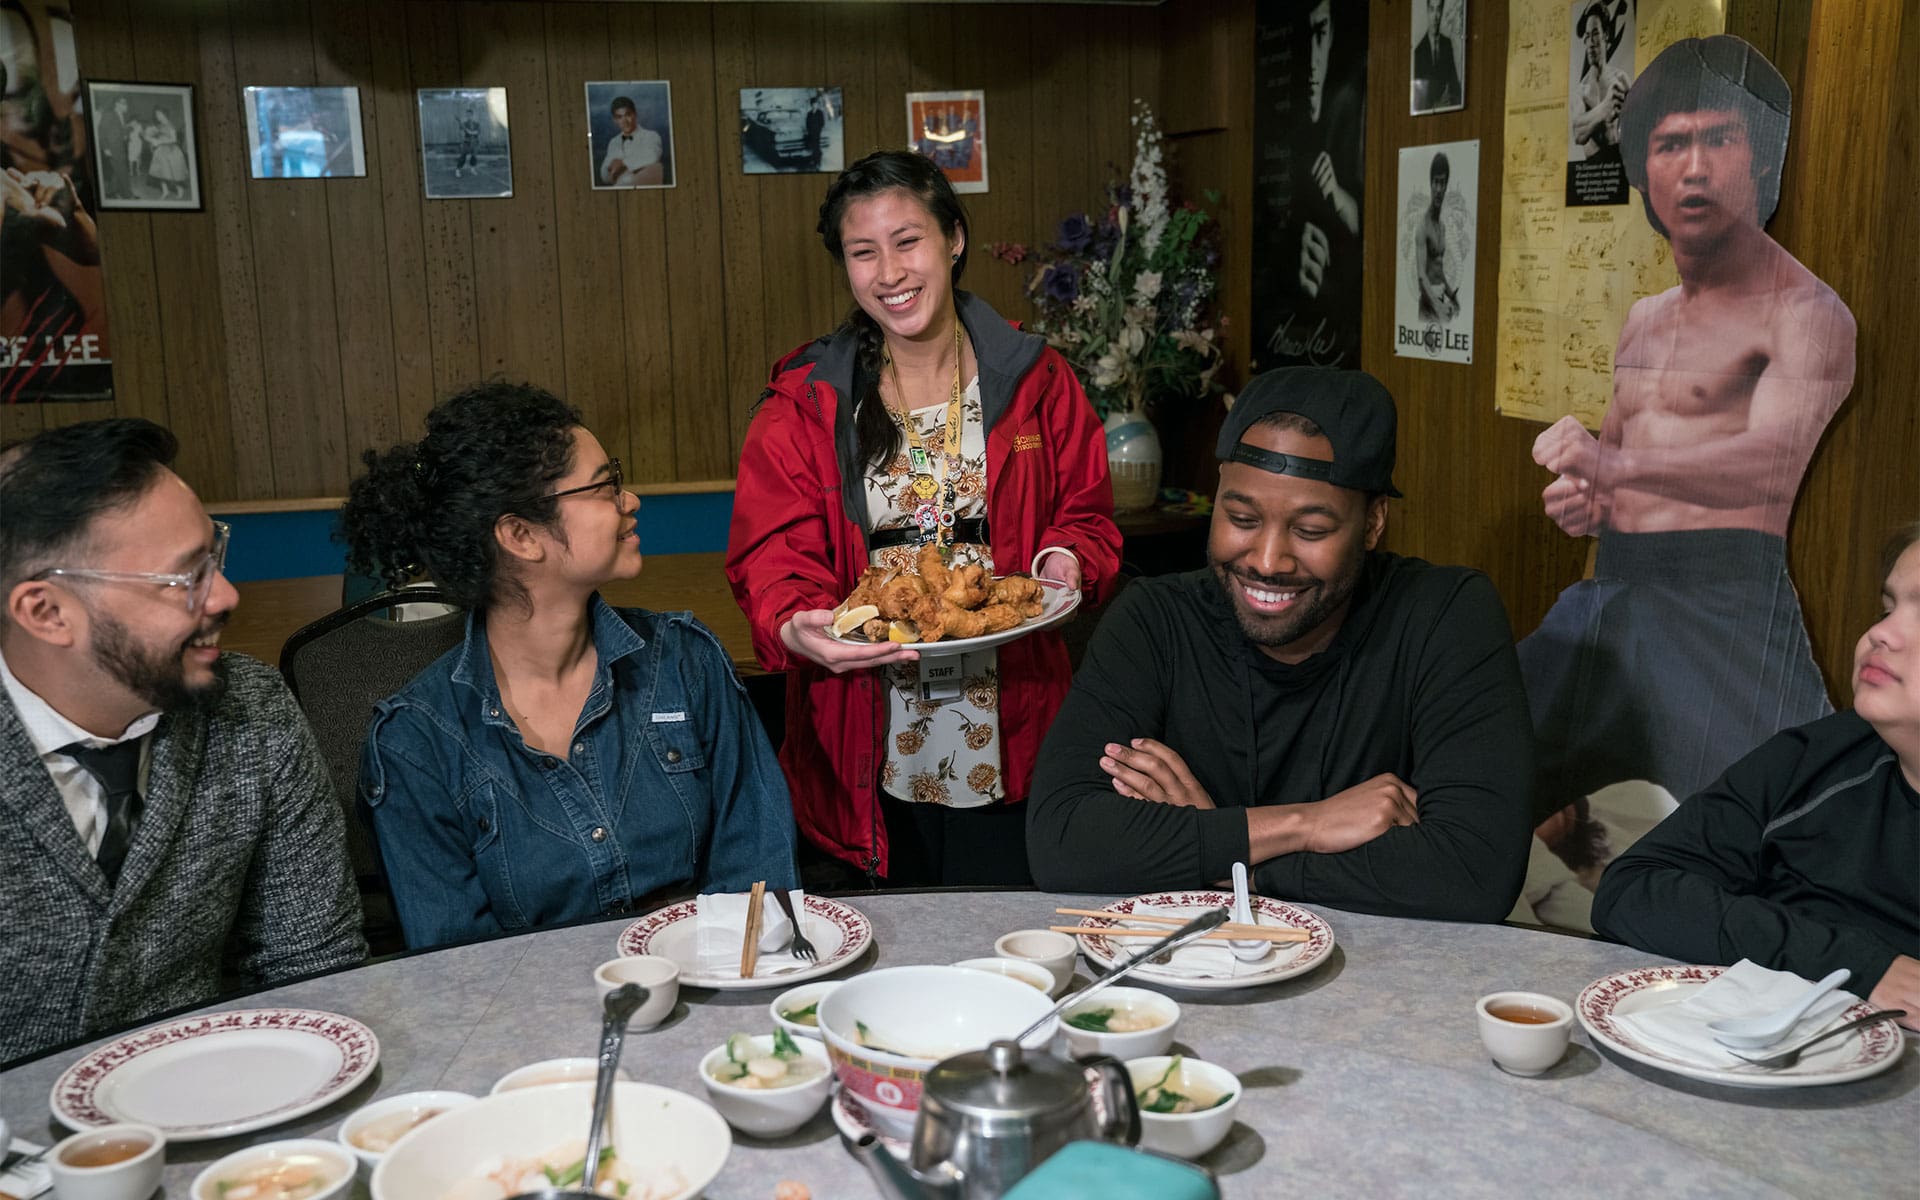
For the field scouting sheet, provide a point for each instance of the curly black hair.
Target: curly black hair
(876, 436)
(430, 507)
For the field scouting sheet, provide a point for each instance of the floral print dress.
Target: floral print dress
(940, 751)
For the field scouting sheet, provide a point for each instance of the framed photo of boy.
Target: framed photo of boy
(630, 134)
(464, 150)
(146, 151)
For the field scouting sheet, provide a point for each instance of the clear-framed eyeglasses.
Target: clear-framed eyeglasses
(198, 581)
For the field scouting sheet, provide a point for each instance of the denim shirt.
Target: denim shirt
(670, 783)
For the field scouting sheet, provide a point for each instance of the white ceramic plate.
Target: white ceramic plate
(1060, 602)
(1286, 962)
(1861, 1053)
(839, 932)
(211, 1076)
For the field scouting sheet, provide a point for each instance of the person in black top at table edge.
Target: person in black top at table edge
(1805, 855)
(1349, 722)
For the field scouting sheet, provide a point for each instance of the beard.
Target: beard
(157, 676)
(1322, 600)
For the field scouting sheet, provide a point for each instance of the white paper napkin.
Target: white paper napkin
(24, 1180)
(1202, 959)
(720, 925)
(1745, 989)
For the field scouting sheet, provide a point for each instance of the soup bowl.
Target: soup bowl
(1138, 1006)
(330, 1161)
(373, 1129)
(768, 1112)
(1189, 1134)
(886, 1029)
(673, 1142)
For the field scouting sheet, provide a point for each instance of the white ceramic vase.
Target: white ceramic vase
(1133, 458)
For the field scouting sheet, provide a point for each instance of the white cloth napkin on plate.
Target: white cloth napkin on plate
(720, 925)
(1202, 959)
(1746, 989)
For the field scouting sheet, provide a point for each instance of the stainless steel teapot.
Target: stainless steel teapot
(989, 1116)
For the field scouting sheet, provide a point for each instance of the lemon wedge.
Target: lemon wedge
(904, 632)
(853, 619)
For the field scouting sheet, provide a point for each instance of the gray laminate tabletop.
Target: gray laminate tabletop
(1364, 1078)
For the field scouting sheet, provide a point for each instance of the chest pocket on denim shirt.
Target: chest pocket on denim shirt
(675, 747)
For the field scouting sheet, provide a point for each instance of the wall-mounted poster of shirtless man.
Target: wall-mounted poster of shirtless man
(1687, 647)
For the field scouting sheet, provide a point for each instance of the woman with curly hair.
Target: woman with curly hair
(569, 758)
(924, 417)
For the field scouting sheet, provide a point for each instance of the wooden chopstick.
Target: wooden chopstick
(750, 945)
(1226, 933)
(1156, 919)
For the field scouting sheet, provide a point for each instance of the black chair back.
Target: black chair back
(338, 668)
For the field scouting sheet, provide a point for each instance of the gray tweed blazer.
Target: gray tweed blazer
(240, 862)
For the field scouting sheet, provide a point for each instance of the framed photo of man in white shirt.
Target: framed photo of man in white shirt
(630, 134)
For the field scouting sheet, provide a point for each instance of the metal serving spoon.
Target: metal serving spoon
(621, 1003)
(1211, 919)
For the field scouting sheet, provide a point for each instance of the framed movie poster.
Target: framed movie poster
(630, 134)
(1439, 81)
(146, 153)
(951, 129)
(1433, 292)
(786, 130)
(464, 152)
(1599, 74)
(304, 133)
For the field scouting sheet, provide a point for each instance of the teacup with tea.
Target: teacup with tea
(113, 1162)
(1525, 1032)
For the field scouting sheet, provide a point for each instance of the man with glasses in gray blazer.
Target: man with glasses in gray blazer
(165, 816)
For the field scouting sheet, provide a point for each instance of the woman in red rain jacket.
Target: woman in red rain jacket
(848, 463)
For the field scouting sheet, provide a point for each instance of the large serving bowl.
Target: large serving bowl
(656, 1132)
(920, 1015)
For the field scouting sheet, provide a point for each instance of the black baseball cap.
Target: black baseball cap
(1352, 408)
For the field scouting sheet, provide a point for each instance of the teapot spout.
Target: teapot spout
(899, 1182)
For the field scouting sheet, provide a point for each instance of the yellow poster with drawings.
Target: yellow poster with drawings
(1568, 274)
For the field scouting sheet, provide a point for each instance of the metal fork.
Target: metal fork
(1788, 1058)
(800, 947)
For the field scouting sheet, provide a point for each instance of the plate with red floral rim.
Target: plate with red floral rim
(1285, 962)
(219, 1074)
(839, 932)
(1861, 1053)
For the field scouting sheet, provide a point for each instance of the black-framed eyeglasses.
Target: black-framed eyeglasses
(612, 483)
(197, 580)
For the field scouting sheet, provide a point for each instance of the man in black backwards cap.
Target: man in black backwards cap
(1348, 722)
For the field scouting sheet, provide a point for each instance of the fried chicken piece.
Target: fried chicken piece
(967, 587)
(931, 616)
(875, 630)
(1023, 592)
(932, 568)
(867, 590)
(899, 596)
(995, 618)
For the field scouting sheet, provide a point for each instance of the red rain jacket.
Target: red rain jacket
(798, 542)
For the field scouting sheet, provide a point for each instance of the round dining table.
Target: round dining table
(1363, 1077)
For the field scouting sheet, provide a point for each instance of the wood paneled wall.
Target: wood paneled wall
(1846, 211)
(293, 324)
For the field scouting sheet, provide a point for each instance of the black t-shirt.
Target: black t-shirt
(1803, 856)
(1420, 681)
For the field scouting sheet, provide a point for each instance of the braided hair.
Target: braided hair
(877, 439)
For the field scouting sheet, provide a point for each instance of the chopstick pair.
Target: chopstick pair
(750, 945)
(1230, 931)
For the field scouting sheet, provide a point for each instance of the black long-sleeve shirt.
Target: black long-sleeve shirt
(1421, 680)
(1803, 856)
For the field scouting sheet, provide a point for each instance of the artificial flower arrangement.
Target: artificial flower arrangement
(1126, 298)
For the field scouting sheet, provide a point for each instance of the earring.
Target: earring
(956, 256)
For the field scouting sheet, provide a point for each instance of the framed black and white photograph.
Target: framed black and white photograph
(1439, 56)
(1439, 213)
(788, 130)
(464, 150)
(630, 134)
(304, 133)
(145, 149)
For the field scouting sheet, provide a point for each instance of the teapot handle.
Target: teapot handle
(1114, 1104)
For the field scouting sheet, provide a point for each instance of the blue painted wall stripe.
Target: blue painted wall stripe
(289, 545)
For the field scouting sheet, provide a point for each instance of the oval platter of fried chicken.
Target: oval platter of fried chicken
(942, 610)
